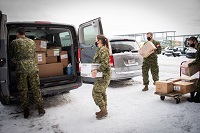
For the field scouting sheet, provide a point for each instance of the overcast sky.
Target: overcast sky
(118, 16)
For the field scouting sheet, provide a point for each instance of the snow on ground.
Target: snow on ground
(130, 110)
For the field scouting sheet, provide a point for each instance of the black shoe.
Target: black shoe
(26, 113)
(41, 110)
(195, 99)
(192, 94)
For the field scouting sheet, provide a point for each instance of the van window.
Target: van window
(65, 39)
(89, 35)
(123, 46)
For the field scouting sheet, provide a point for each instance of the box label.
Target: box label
(39, 56)
(183, 70)
(43, 44)
(64, 56)
(177, 88)
(56, 52)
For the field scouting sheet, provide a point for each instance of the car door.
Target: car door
(4, 82)
(87, 37)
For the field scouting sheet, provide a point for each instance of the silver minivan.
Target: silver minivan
(125, 60)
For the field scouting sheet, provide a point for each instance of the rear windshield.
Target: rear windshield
(119, 46)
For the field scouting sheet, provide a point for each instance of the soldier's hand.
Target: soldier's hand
(94, 73)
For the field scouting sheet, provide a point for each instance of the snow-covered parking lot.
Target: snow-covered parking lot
(130, 110)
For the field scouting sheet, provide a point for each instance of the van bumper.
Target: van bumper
(124, 75)
(62, 88)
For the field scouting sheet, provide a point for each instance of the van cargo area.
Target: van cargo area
(56, 48)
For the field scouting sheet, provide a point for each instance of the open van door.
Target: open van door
(4, 82)
(87, 37)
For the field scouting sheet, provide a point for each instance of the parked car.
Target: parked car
(62, 36)
(191, 52)
(125, 60)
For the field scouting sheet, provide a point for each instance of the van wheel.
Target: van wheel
(4, 100)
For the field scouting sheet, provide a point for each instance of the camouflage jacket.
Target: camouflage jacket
(197, 59)
(157, 51)
(22, 51)
(102, 56)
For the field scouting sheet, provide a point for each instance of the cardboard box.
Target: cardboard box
(190, 79)
(53, 52)
(164, 87)
(40, 57)
(174, 79)
(51, 59)
(64, 58)
(147, 49)
(86, 69)
(41, 45)
(189, 71)
(55, 47)
(49, 70)
(184, 87)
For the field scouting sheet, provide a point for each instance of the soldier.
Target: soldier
(102, 57)
(151, 63)
(193, 42)
(22, 52)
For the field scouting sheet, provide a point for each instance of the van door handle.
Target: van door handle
(3, 81)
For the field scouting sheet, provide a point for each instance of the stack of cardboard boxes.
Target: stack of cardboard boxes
(180, 85)
(50, 61)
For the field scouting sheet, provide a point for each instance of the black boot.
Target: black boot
(195, 99)
(26, 113)
(41, 110)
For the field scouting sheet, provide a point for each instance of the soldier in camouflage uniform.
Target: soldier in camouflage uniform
(193, 42)
(22, 52)
(102, 57)
(151, 62)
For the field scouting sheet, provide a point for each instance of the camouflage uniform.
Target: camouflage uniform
(197, 61)
(22, 51)
(151, 63)
(100, 84)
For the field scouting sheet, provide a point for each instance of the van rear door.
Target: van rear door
(4, 79)
(87, 37)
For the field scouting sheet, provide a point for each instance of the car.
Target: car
(190, 52)
(54, 79)
(125, 60)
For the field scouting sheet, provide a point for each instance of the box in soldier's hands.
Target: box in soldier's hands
(86, 69)
(147, 49)
(189, 71)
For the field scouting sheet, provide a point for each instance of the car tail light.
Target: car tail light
(111, 60)
(79, 59)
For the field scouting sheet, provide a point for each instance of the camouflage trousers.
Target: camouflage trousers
(99, 91)
(26, 80)
(198, 84)
(153, 66)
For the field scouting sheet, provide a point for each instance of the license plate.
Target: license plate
(131, 61)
